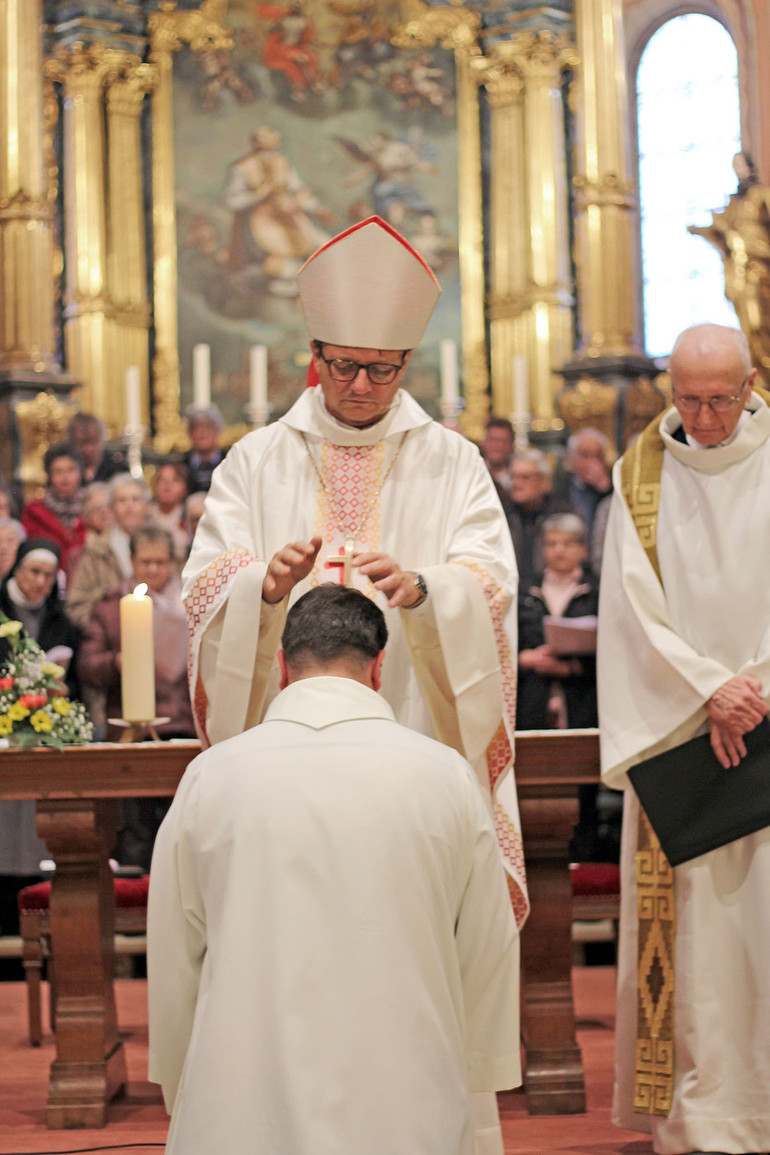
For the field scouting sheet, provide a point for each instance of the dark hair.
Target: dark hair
(333, 622)
(181, 472)
(85, 423)
(499, 423)
(151, 535)
(61, 449)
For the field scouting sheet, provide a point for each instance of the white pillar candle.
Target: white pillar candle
(201, 376)
(450, 393)
(133, 397)
(520, 388)
(137, 661)
(258, 378)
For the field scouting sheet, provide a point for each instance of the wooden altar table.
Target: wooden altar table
(77, 792)
(550, 765)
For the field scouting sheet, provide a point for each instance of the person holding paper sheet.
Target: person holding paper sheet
(684, 648)
(557, 689)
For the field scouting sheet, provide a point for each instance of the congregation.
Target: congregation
(94, 517)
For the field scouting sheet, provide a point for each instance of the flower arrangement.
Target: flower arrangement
(34, 708)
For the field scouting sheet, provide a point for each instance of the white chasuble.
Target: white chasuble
(332, 954)
(663, 651)
(406, 487)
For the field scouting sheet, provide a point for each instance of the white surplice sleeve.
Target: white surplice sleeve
(176, 941)
(653, 685)
(234, 635)
(488, 950)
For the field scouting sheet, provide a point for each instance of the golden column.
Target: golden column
(87, 310)
(609, 383)
(605, 205)
(531, 294)
(126, 252)
(26, 228)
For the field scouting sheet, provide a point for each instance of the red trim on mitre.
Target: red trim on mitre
(375, 220)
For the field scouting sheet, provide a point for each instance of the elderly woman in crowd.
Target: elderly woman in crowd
(167, 508)
(106, 558)
(58, 515)
(12, 534)
(30, 595)
(205, 427)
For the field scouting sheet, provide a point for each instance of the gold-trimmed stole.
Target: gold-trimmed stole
(641, 470)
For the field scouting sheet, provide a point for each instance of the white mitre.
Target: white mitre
(367, 288)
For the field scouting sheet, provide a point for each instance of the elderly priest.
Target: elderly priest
(333, 957)
(684, 648)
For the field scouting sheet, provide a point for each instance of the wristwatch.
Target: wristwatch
(419, 581)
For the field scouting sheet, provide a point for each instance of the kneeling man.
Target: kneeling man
(333, 958)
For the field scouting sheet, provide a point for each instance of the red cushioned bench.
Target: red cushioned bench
(34, 918)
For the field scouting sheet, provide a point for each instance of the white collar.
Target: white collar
(309, 415)
(325, 701)
(752, 431)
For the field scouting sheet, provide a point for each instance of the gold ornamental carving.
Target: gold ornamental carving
(642, 400)
(741, 234)
(41, 421)
(610, 190)
(590, 403)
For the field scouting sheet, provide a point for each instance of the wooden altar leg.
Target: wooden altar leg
(553, 1075)
(90, 1065)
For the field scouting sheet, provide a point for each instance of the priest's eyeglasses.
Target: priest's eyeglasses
(378, 372)
(719, 404)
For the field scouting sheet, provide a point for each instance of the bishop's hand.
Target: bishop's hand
(287, 567)
(386, 575)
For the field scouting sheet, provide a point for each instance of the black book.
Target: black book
(694, 805)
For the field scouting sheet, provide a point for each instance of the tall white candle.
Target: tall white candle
(201, 376)
(133, 397)
(137, 662)
(450, 393)
(520, 388)
(258, 378)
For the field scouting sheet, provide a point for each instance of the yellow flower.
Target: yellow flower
(8, 629)
(51, 670)
(62, 706)
(6, 725)
(41, 721)
(16, 712)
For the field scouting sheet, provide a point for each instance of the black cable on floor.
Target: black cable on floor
(83, 1150)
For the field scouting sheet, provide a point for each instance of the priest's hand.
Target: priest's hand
(287, 567)
(738, 705)
(386, 575)
(735, 709)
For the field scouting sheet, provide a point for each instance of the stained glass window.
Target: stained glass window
(689, 132)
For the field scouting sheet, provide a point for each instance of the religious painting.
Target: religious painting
(308, 121)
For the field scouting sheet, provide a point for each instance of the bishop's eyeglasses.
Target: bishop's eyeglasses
(378, 372)
(719, 404)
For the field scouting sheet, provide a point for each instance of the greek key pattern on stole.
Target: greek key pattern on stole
(645, 513)
(655, 979)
